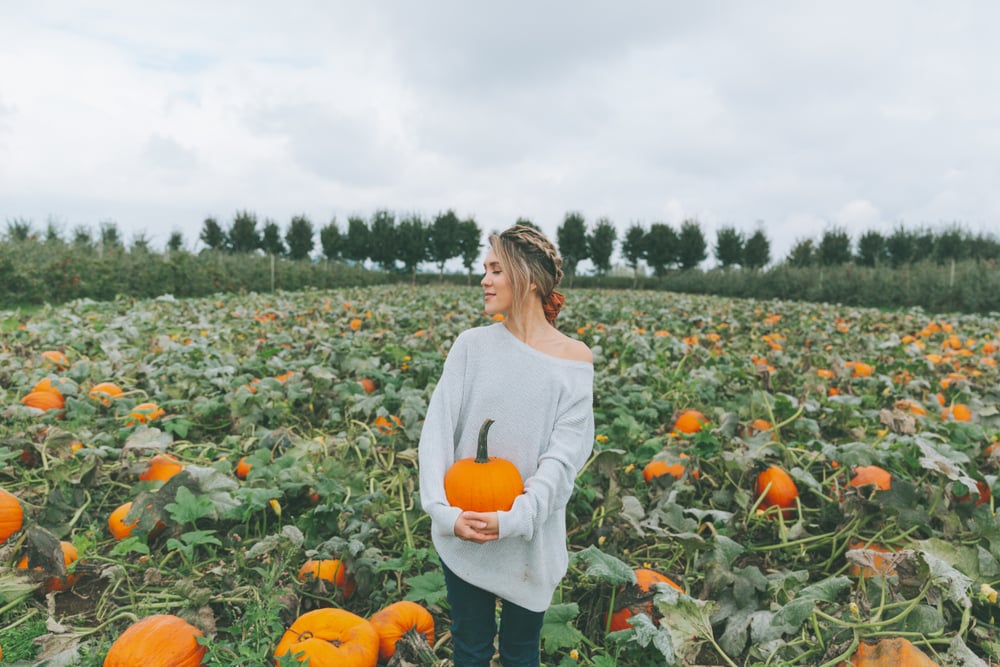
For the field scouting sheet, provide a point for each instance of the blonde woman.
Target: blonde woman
(537, 384)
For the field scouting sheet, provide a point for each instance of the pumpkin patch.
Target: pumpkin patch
(815, 478)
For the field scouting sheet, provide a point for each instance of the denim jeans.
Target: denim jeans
(474, 626)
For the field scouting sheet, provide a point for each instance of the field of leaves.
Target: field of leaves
(324, 393)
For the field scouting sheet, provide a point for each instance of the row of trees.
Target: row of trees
(410, 241)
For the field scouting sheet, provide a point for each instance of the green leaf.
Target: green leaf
(687, 620)
(603, 567)
(796, 611)
(557, 628)
(187, 508)
(428, 588)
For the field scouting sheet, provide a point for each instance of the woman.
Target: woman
(537, 384)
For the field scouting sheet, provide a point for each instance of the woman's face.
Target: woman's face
(498, 293)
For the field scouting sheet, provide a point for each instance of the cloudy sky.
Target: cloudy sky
(797, 116)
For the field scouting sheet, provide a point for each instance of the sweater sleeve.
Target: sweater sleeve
(436, 451)
(549, 489)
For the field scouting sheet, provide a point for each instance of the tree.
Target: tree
(19, 229)
(601, 245)
(660, 250)
(950, 245)
(633, 248)
(899, 246)
(299, 237)
(691, 246)
(176, 241)
(212, 235)
(442, 241)
(140, 243)
(571, 237)
(756, 251)
(357, 242)
(53, 232)
(111, 238)
(412, 237)
(384, 249)
(243, 234)
(728, 246)
(270, 241)
(82, 238)
(835, 247)
(469, 244)
(872, 249)
(924, 242)
(330, 240)
(527, 223)
(802, 254)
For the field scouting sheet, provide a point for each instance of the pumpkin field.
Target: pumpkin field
(772, 483)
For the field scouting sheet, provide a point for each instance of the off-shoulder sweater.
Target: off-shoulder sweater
(544, 423)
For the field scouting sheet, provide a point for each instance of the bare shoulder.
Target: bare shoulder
(574, 350)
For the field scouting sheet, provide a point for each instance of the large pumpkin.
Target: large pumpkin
(330, 638)
(161, 467)
(778, 489)
(163, 640)
(484, 483)
(638, 598)
(11, 515)
(44, 400)
(104, 392)
(392, 622)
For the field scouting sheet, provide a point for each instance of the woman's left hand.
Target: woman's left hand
(478, 527)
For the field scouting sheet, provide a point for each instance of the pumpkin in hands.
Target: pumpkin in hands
(484, 483)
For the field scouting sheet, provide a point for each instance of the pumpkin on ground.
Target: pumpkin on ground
(243, 468)
(689, 422)
(958, 412)
(144, 413)
(484, 483)
(778, 490)
(44, 400)
(871, 475)
(161, 467)
(11, 515)
(883, 566)
(116, 522)
(330, 570)
(638, 598)
(890, 652)
(70, 555)
(163, 640)
(330, 638)
(104, 392)
(392, 622)
(655, 469)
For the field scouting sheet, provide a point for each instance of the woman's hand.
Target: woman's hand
(478, 527)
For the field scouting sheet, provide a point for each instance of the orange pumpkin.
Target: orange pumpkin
(56, 358)
(638, 598)
(70, 555)
(116, 522)
(778, 489)
(872, 475)
(368, 385)
(984, 494)
(144, 413)
(759, 425)
(881, 565)
(163, 640)
(330, 636)
(689, 421)
(329, 570)
(959, 412)
(890, 652)
(392, 622)
(44, 400)
(11, 515)
(484, 483)
(655, 469)
(104, 392)
(161, 467)
(243, 468)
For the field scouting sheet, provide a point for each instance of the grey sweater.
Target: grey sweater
(543, 407)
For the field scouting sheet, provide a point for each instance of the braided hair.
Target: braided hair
(529, 257)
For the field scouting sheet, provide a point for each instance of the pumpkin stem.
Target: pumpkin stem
(481, 454)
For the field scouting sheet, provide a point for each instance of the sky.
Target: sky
(792, 117)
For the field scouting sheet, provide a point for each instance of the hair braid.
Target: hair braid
(532, 258)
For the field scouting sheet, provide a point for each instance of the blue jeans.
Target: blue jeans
(474, 626)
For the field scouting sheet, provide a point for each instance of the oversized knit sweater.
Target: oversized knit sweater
(542, 406)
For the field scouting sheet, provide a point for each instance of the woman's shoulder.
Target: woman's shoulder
(571, 349)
